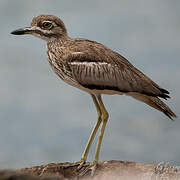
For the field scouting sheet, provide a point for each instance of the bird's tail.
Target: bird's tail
(156, 103)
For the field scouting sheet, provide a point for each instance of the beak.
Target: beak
(22, 31)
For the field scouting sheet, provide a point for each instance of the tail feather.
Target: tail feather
(161, 106)
(156, 103)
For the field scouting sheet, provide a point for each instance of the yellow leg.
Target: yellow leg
(104, 118)
(93, 133)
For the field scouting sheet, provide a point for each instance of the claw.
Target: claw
(92, 167)
(81, 164)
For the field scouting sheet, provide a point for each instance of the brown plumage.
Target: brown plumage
(96, 69)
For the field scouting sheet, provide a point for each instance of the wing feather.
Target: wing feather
(97, 67)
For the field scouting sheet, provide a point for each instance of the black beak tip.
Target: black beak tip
(19, 31)
(14, 32)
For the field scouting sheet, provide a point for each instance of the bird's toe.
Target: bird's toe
(90, 168)
(81, 163)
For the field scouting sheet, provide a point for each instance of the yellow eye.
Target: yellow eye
(47, 24)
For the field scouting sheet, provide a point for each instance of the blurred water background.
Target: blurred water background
(43, 120)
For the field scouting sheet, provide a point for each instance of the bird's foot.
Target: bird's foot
(91, 167)
(79, 164)
(83, 167)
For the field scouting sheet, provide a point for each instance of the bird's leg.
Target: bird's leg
(104, 118)
(93, 133)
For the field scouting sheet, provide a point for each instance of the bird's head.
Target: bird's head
(46, 27)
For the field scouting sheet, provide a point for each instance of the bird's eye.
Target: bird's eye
(47, 24)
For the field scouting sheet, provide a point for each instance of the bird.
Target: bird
(97, 70)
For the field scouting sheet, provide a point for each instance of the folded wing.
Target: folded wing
(97, 67)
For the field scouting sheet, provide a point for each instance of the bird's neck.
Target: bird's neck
(60, 40)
